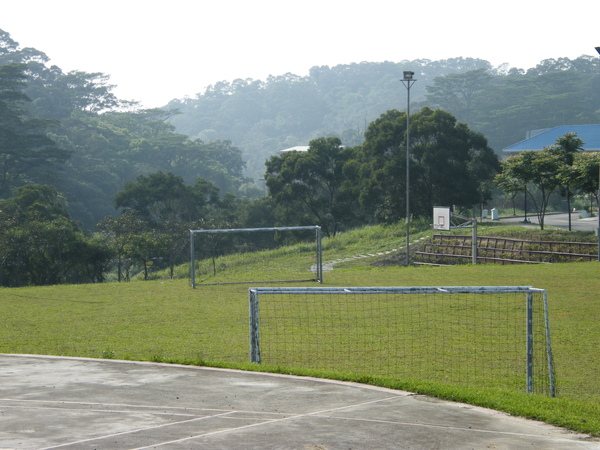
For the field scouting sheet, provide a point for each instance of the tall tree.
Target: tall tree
(41, 245)
(169, 208)
(24, 144)
(314, 186)
(120, 235)
(457, 92)
(585, 175)
(537, 168)
(160, 197)
(449, 164)
(566, 149)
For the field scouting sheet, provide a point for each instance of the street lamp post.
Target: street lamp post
(408, 81)
(598, 230)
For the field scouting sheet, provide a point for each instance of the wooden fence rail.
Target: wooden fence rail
(457, 249)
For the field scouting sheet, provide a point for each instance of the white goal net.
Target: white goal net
(473, 336)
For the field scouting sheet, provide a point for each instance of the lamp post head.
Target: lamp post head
(408, 76)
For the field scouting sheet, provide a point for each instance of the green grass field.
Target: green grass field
(166, 320)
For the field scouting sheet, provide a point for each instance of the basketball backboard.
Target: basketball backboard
(441, 218)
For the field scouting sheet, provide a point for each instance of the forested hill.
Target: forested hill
(91, 184)
(262, 117)
(74, 134)
(69, 131)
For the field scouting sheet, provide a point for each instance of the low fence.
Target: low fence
(457, 250)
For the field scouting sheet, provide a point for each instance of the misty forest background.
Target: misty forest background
(71, 151)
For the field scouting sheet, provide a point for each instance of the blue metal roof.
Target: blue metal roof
(589, 134)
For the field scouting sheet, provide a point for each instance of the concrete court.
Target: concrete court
(76, 403)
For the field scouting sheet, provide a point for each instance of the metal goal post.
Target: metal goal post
(317, 267)
(496, 336)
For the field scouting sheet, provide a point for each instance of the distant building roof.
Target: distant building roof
(539, 139)
(297, 148)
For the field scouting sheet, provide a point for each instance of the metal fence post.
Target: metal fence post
(529, 342)
(549, 348)
(192, 265)
(254, 327)
(319, 255)
(474, 241)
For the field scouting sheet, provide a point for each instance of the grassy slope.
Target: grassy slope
(168, 321)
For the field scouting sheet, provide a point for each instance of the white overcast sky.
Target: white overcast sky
(155, 51)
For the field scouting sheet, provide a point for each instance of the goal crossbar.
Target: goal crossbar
(394, 290)
(527, 316)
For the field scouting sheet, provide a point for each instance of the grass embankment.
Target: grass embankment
(168, 321)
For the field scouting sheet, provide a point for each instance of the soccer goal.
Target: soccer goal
(472, 336)
(256, 255)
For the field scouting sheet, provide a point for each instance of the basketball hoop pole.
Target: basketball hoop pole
(442, 220)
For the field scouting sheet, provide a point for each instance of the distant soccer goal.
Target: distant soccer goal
(256, 255)
(472, 336)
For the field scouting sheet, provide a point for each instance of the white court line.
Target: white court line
(268, 422)
(197, 419)
(553, 439)
(98, 410)
(121, 405)
(155, 410)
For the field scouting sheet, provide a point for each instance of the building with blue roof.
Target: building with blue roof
(539, 139)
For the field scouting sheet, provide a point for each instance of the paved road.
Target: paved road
(76, 403)
(560, 221)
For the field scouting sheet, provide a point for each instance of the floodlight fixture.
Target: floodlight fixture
(408, 76)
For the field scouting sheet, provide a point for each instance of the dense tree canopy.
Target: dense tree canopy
(161, 197)
(505, 104)
(316, 187)
(449, 164)
(585, 174)
(502, 103)
(114, 148)
(40, 244)
(546, 171)
(70, 131)
(263, 117)
(457, 92)
(25, 148)
(158, 211)
(338, 187)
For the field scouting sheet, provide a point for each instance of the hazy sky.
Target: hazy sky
(155, 51)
